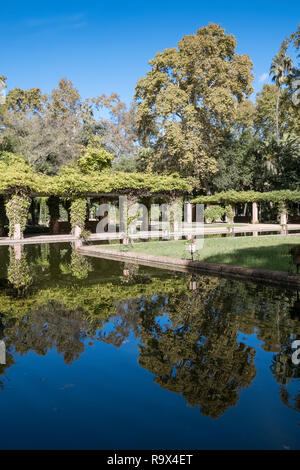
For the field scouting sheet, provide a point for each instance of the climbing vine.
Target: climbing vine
(17, 211)
(78, 212)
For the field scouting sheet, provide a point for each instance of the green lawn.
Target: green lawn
(253, 252)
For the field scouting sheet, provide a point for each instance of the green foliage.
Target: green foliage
(79, 266)
(78, 212)
(213, 213)
(16, 174)
(95, 157)
(17, 211)
(249, 196)
(187, 100)
(229, 213)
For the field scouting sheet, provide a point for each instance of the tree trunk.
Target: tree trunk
(277, 116)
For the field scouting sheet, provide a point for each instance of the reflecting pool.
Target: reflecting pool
(107, 355)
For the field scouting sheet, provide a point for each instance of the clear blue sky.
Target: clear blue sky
(104, 47)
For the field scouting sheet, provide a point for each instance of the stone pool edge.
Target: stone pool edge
(183, 265)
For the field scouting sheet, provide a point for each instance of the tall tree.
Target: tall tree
(188, 99)
(118, 128)
(48, 131)
(282, 65)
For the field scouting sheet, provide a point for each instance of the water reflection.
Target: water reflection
(190, 330)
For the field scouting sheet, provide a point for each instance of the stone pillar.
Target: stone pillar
(17, 211)
(146, 209)
(175, 214)
(188, 216)
(125, 205)
(78, 215)
(254, 213)
(123, 214)
(131, 224)
(77, 244)
(18, 235)
(228, 219)
(283, 217)
(18, 250)
(77, 231)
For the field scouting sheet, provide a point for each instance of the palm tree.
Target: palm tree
(281, 67)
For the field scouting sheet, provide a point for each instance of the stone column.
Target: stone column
(18, 234)
(175, 213)
(254, 213)
(145, 227)
(188, 215)
(123, 214)
(125, 204)
(77, 231)
(78, 215)
(17, 207)
(18, 250)
(283, 217)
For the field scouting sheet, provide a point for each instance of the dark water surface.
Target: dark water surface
(100, 354)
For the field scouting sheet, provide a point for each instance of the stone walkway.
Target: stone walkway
(189, 230)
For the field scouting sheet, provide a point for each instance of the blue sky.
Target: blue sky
(104, 47)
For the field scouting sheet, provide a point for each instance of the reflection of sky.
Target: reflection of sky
(249, 340)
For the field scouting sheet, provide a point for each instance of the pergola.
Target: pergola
(280, 198)
(20, 184)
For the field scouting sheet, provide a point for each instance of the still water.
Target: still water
(105, 355)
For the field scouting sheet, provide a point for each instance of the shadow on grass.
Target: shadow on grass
(275, 258)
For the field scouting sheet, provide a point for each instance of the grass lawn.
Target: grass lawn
(253, 252)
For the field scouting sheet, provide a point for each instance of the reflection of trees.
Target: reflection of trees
(189, 344)
(51, 327)
(189, 341)
(187, 338)
(198, 355)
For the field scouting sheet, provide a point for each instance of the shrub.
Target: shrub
(229, 214)
(213, 213)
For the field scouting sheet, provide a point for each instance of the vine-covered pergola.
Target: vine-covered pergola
(279, 198)
(20, 183)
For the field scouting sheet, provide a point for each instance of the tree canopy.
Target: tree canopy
(189, 98)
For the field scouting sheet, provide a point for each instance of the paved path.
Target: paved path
(189, 230)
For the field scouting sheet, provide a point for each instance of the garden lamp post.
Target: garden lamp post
(192, 248)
